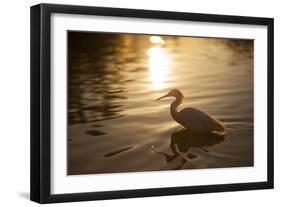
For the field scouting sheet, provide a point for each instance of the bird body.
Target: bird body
(198, 121)
(191, 118)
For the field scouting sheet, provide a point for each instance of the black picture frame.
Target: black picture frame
(41, 95)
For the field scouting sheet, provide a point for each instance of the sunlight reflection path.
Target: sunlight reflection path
(159, 66)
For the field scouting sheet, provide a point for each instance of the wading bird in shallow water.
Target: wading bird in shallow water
(191, 118)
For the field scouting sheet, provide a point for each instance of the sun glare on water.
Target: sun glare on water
(159, 65)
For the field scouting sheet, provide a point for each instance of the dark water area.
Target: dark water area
(114, 123)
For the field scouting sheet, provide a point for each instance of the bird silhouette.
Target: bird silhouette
(191, 118)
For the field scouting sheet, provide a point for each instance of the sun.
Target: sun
(156, 40)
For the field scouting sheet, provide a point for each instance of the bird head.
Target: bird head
(172, 93)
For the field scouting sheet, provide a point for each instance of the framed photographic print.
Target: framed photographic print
(133, 103)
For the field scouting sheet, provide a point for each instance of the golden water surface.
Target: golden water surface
(114, 122)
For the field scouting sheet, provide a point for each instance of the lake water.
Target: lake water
(114, 122)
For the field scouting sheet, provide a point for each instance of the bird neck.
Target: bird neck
(174, 107)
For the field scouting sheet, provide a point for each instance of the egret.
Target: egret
(191, 118)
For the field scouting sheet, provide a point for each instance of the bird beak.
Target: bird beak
(162, 97)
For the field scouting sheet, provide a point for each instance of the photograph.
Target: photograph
(150, 102)
(128, 103)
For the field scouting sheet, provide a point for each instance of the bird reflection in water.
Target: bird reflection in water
(183, 140)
